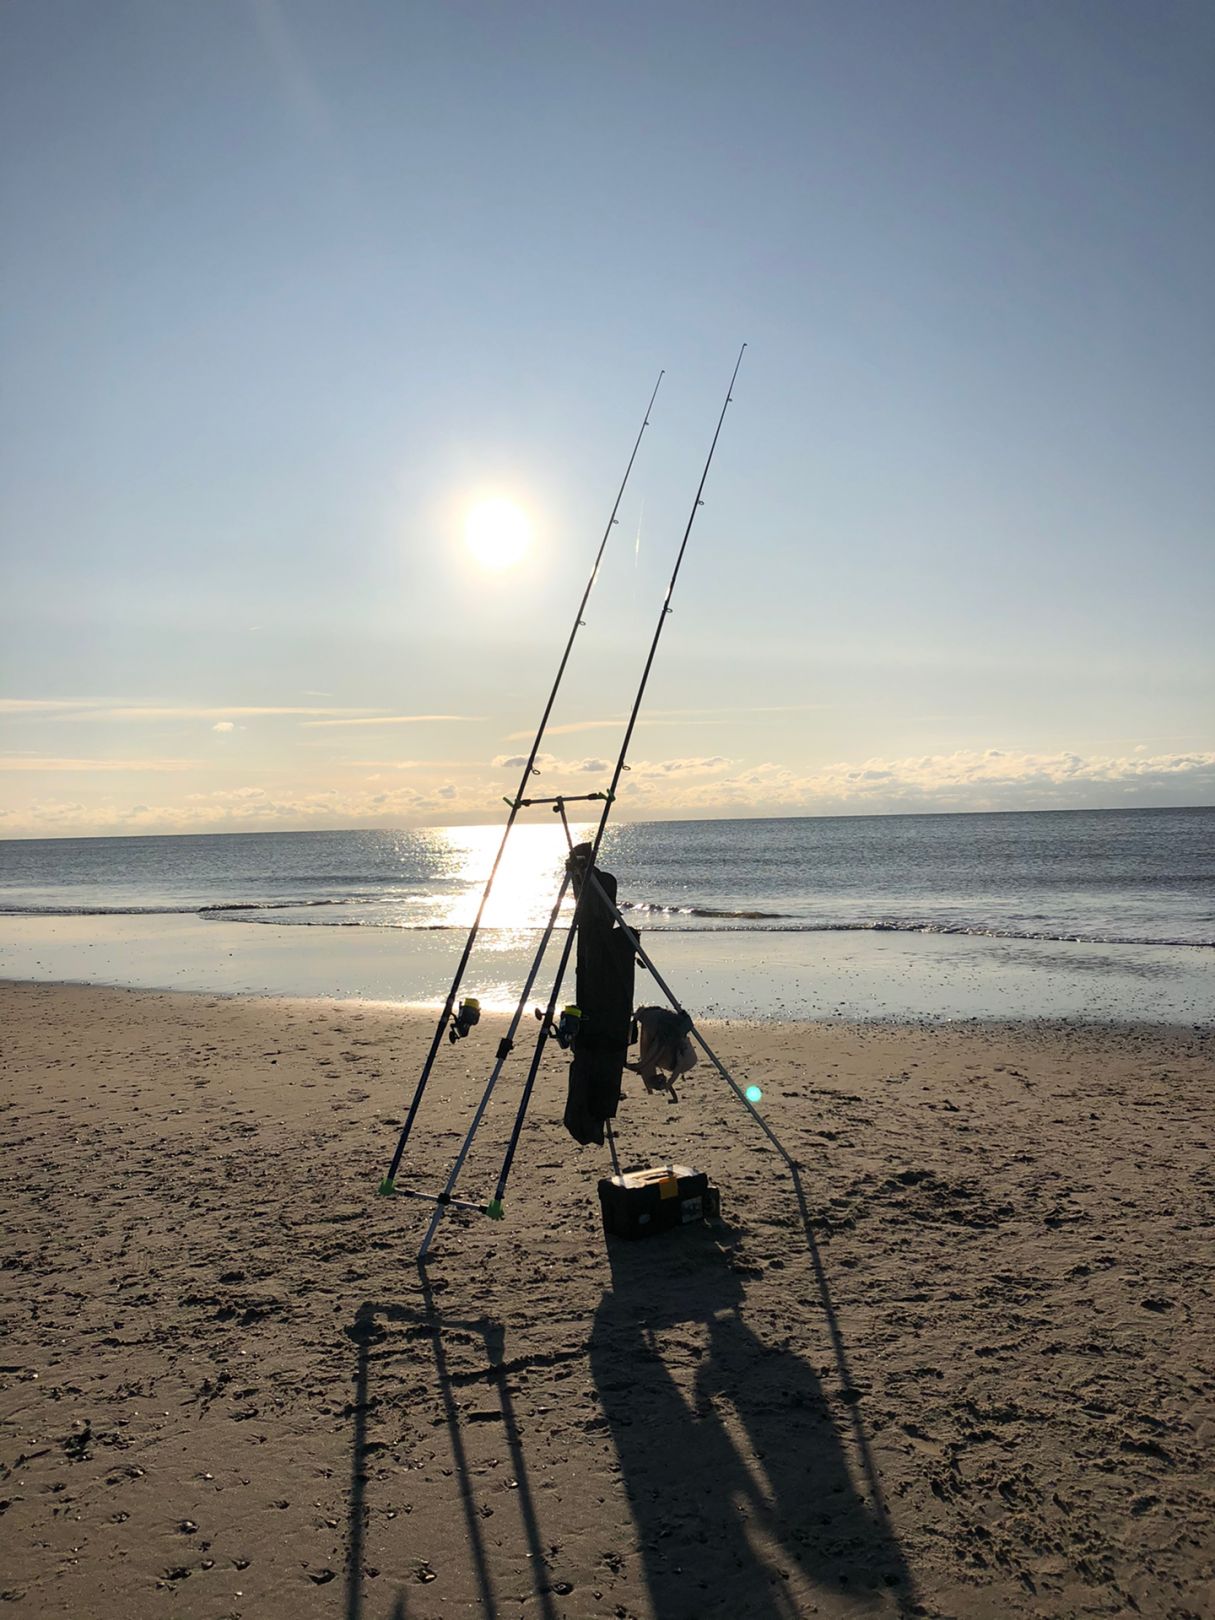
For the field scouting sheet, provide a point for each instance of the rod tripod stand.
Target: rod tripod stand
(494, 1208)
(467, 1015)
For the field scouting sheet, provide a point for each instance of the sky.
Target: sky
(289, 288)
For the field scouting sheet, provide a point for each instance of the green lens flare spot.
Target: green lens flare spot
(753, 1094)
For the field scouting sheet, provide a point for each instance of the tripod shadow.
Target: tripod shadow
(736, 1472)
(748, 1472)
(425, 1327)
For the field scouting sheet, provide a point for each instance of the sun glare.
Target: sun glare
(497, 533)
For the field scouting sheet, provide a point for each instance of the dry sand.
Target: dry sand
(976, 1381)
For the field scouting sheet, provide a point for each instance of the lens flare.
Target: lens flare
(753, 1094)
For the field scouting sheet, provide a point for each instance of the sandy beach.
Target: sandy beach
(968, 1374)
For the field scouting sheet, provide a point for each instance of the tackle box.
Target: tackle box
(639, 1203)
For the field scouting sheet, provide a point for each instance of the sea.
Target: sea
(981, 915)
(1110, 877)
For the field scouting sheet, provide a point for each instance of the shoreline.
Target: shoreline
(778, 977)
(424, 1013)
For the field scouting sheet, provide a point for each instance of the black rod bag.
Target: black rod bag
(604, 977)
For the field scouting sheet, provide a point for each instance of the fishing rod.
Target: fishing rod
(495, 1207)
(505, 1046)
(516, 804)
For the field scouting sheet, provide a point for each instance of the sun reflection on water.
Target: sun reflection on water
(525, 886)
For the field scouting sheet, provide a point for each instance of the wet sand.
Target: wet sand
(967, 1373)
(861, 975)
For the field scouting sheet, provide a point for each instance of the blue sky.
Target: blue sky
(289, 286)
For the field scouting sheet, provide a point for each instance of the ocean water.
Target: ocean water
(1135, 877)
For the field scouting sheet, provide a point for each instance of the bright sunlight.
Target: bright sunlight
(497, 533)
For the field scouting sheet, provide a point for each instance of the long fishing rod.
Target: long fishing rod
(516, 804)
(495, 1207)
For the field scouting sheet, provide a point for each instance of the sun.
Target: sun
(497, 533)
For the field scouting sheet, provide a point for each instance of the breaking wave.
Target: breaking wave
(381, 913)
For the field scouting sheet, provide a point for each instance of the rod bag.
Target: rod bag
(604, 978)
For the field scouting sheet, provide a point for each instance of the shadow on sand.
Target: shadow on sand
(426, 1324)
(732, 1460)
(733, 1452)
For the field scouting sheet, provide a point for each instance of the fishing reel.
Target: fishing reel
(462, 1021)
(565, 1030)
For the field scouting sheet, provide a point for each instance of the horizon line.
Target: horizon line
(426, 826)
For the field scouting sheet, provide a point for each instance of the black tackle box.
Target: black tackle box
(642, 1202)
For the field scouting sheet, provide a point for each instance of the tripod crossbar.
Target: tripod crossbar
(437, 1198)
(561, 798)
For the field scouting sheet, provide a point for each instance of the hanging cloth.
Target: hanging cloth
(664, 1051)
(604, 976)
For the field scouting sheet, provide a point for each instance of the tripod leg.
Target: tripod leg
(611, 1142)
(534, 1067)
(697, 1036)
(503, 1053)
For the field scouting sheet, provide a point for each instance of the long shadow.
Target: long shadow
(848, 1389)
(736, 1470)
(370, 1334)
(737, 1474)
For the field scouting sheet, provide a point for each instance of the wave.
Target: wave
(734, 923)
(652, 908)
(221, 907)
(97, 911)
(216, 908)
(668, 920)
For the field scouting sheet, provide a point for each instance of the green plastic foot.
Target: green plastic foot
(386, 1188)
(494, 1209)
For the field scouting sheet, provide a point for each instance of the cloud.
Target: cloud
(550, 763)
(676, 717)
(107, 709)
(40, 705)
(573, 726)
(983, 779)
(223, 725)
(516, 762)
(149, 711)
(416, 764)
(242, 795)
(250, 808)
(720, 711)
(696, 765)
(967, 780)
(397, 719)
(25, 762)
